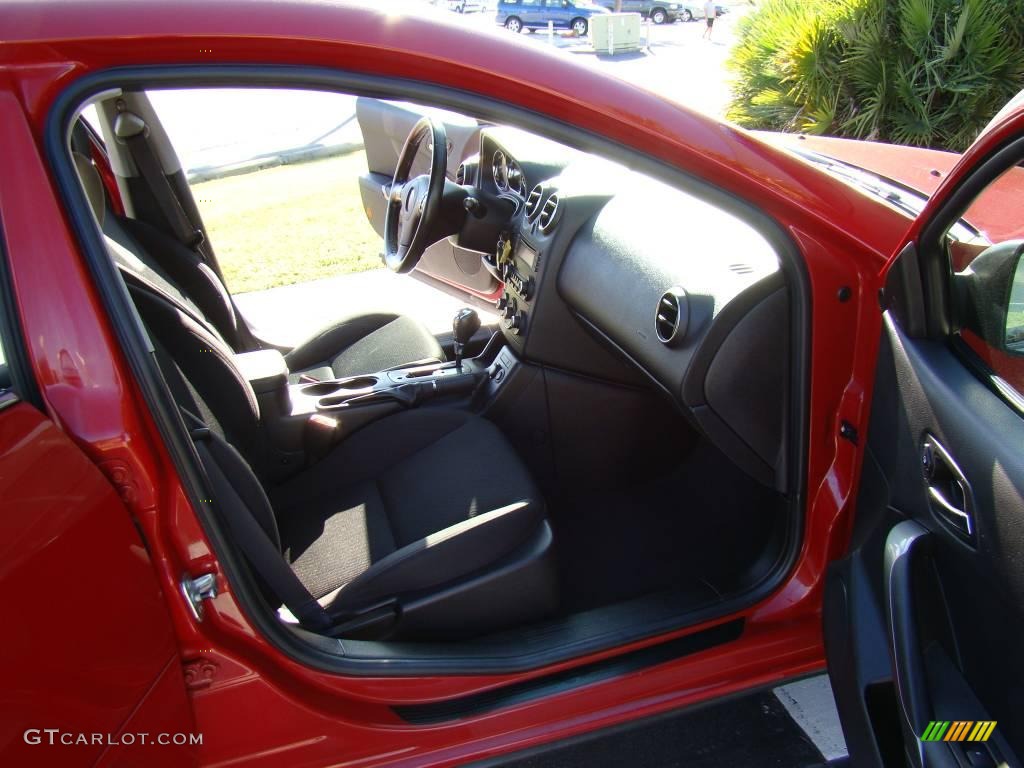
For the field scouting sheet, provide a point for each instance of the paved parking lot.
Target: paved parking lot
(676, 63)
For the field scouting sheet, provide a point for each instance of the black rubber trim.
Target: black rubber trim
(569, 679)
(23, 384)
(684, 718)
(326, 653)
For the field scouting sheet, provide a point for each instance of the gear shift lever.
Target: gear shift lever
(465, 324)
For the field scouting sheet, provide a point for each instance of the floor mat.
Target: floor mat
(695, 527)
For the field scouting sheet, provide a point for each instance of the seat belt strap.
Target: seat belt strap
(253, 540)
(133, 131)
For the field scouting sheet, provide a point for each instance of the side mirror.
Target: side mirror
(990, 292)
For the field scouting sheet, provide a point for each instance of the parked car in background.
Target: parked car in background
(517, 15)
(658, 11)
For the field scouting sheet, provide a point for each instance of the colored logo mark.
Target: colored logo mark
(958, 730)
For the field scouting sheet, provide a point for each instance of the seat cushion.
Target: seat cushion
(364, 344)
(384, 495)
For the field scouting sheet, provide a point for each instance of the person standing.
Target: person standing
(710, 12)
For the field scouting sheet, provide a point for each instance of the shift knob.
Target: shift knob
(465, 324)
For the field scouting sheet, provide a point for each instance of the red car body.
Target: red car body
(922, 170)
(103, 640)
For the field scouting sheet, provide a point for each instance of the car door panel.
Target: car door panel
(385, 126)
(92, 650)
(950, 606)
(560, 12)
(89, 647)
(533, 13)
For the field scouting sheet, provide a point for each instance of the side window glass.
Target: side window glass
(985, 250)
(274, 173)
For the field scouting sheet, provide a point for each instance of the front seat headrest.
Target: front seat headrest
(92, 183)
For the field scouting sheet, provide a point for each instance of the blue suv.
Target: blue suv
(516, 15)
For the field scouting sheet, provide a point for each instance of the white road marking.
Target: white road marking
(811, 704)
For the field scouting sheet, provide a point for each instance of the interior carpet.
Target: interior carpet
(695, 527)
(748, 732)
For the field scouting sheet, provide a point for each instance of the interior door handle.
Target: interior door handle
(953, 514)
(949, 493)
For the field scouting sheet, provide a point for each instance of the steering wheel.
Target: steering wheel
(414, 205)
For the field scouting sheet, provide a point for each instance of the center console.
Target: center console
(303, 420)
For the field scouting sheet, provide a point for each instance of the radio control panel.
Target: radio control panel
(518, 268)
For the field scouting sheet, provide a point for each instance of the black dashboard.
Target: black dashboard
(609, 273)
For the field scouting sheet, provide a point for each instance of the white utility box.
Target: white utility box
(613, 33)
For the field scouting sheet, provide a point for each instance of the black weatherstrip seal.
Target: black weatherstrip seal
(569, 679)
(353, 657)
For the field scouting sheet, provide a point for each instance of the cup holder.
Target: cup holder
(322, 388)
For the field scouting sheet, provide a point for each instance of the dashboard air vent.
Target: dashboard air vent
(546, 219)
(533, 202)
(671, 317)
(460, 175)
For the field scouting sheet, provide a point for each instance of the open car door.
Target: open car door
(385, 125)
(924, 617)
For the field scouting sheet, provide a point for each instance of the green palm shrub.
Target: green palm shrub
(928, 73)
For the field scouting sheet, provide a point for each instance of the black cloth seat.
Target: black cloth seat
(350, 346)
(412, 502)
(363, 344)
(426, 517)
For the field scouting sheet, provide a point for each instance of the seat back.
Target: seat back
(211, 379)
(185, 269)
(211, 384)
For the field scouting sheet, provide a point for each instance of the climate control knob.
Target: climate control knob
(509, 310)
(515, 322)
(526, 288)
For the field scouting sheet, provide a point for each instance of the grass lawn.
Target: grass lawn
(1015, 319)
(289, 224)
